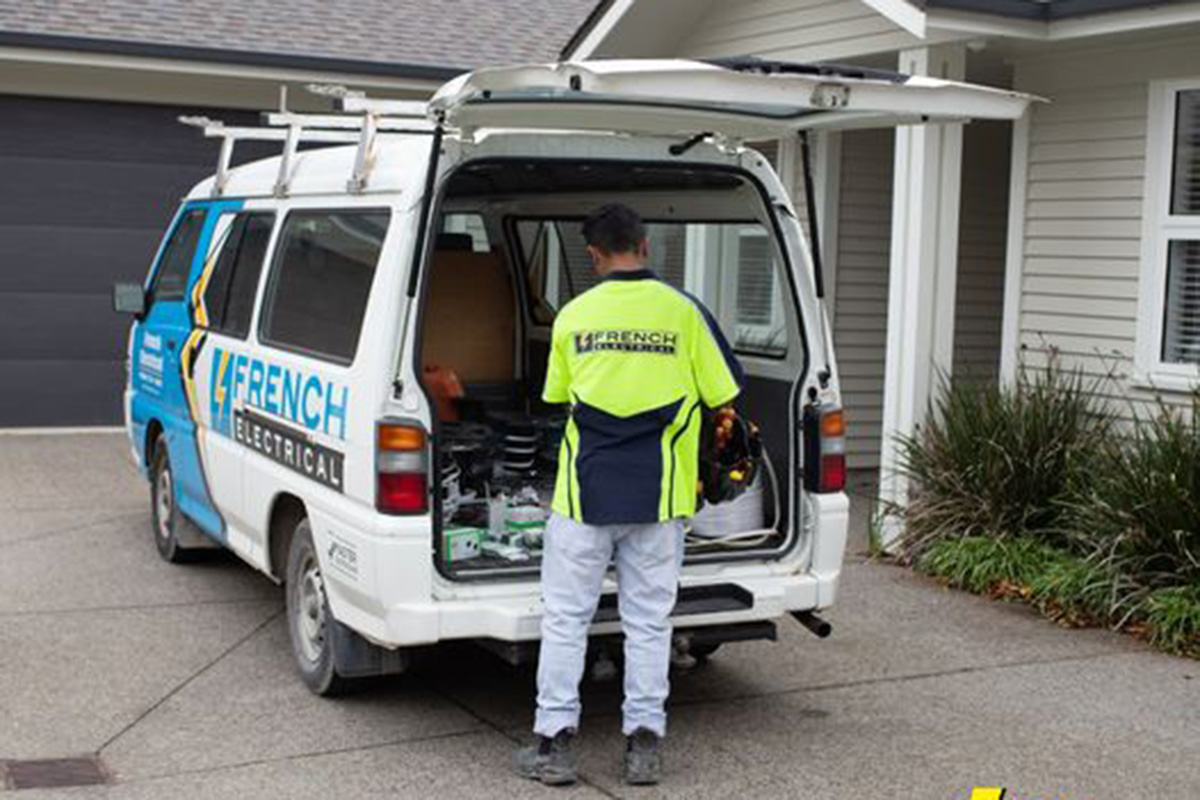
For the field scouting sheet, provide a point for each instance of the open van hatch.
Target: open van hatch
(684, 98)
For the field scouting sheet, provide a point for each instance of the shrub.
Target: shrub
(1077, 591)
(1000, 462)
(1173, 620)
(983, 565)
(1138, 506)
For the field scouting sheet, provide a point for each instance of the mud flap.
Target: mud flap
(355, 657)
(192, 537)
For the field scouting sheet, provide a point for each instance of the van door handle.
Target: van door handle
(171, 345)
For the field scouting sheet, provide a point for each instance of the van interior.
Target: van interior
(508, 254)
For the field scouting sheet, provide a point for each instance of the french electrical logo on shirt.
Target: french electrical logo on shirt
(626, 341)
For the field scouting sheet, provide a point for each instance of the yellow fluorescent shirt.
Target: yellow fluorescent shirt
(635, 358)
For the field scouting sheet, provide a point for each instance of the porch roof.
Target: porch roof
(1036, 9)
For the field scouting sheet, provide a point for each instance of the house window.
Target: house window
(1168, 351)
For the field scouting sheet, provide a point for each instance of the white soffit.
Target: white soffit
(1100, 24)
(903, 13)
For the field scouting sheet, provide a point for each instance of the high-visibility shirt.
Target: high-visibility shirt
(635, 358)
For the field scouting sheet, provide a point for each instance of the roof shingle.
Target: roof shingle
(451, 35)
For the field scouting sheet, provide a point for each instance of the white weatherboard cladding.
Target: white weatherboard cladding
(805, 30)
(1081, 259)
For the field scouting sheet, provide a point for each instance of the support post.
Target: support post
(922, 275)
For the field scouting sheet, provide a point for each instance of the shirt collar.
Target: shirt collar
(631, 275)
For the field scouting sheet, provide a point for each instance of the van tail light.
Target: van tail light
(824, 448)
(401, 469)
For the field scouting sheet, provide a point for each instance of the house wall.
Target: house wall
(864, 247)
(983, 228)
(807, 30)
(860, 312)
(1082, 209)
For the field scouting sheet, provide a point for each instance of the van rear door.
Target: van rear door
(740, 98)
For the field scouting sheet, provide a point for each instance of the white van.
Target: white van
(336, 363)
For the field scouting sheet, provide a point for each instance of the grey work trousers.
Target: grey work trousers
(574, 562)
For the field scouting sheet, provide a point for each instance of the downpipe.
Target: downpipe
(819, 627)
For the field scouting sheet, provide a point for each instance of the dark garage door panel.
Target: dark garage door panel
(96, 184)
(60, 326)
(38, 258)
(69, 192)
(38, 393)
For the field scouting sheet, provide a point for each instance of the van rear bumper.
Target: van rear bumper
(519, 618)
(714, 594)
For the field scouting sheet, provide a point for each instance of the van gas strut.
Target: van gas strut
(426, 207)
(818, 626)
(810, 203)
(680, 148)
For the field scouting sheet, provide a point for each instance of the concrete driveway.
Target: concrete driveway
(179, 679)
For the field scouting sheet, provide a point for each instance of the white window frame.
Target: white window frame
(1159, 228)
(731, 245)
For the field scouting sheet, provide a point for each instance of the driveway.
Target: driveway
(179, 680)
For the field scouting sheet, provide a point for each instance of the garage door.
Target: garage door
(88, 190)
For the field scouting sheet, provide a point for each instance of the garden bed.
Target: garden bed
(1041, 493)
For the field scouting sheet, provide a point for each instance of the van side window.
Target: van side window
(170, 281)
(229, 297)
(321, 279)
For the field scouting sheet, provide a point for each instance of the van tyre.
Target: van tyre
(703, 652)
(168, 522)
(310, 623)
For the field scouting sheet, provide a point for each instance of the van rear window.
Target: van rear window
(321, 279)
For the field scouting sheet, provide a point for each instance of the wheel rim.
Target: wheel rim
(163, 504)
(310, 611)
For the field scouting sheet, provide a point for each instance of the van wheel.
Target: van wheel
(163, 509)
(702, 652)
(309, 621)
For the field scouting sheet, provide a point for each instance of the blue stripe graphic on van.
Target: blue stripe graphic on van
(166, 344)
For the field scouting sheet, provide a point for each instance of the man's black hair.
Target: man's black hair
(614, 228)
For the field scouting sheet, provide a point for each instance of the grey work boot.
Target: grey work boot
(550, 761)
(642, 763)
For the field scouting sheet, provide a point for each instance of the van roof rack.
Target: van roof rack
(361, 120)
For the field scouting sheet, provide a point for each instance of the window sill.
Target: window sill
(1165, 381)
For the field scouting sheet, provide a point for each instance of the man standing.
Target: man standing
(635, 358)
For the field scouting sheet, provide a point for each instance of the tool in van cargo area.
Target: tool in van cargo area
(443, 384)
(509, 552)
(730, 455)
(461, 544)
